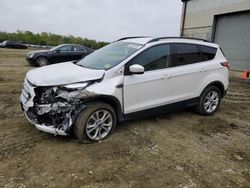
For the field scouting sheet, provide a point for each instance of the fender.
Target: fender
(213, 79)
(113, 101)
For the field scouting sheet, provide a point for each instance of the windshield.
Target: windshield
(56, 47)
(109, 56)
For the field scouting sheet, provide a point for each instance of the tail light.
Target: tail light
(226, 64)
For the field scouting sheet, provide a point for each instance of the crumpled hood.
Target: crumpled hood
(63, 73)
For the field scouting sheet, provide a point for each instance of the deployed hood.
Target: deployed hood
(63, 73)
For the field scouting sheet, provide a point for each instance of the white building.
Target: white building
(226, 22)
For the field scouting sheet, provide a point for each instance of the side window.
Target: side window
(208, 52)
(65, 48)
(78, 49)
(157, 57)
(187, 54)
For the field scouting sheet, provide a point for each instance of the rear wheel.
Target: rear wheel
(42, 61)
(95, 123)
(209, 101)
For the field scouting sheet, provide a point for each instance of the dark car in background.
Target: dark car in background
(13, 44)
(58, 54)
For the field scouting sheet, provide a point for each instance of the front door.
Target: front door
(62, 54)
(153, 88)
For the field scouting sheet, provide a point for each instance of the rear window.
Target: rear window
(208, 52)
(187, 54)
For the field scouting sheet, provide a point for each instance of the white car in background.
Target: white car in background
(130, 78)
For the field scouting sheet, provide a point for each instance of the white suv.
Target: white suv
(130, 78)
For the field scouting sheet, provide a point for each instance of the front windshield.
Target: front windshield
(109, 56)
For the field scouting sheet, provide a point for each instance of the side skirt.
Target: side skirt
(162, 109)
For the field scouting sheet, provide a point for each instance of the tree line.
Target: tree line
(49, 39)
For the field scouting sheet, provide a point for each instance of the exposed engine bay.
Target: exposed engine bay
(52, 97)
(56, 107)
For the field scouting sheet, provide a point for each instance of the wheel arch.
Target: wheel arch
(112, 101)
(219, 85)
(41, 55)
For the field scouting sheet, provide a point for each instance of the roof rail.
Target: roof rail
(161, 38)
(132, 37)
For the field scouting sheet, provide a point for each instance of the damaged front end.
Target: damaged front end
(53, 109)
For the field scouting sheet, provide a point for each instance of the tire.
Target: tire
(89, 128)
(210, 100)
(42, 61)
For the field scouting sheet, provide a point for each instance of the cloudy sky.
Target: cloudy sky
(103, 20)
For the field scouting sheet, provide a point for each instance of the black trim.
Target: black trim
(161, 38)
(124, 38)
(119, 86)
(163, 109)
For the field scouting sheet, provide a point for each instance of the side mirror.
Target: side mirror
(136, 69)
(57, 51)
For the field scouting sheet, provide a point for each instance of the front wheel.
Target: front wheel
(42, 61)
(209, 101)
(95, 123)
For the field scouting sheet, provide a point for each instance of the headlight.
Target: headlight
(77, 85)
(31, 55)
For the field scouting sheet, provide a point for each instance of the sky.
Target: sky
(102, 20)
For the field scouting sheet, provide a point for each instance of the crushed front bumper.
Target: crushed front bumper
(26, 101)
(44, 128)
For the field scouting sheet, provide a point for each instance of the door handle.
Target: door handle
(166, 77)
(203, 69)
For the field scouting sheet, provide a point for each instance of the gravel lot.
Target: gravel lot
(180, 149)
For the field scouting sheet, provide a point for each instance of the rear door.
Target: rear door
(154, 87)
(188, 71)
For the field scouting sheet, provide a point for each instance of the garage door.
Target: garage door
(232, 32)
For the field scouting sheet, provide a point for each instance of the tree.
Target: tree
(49, 39)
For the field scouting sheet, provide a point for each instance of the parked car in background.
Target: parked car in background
(58, 54)
(127, 79)
(13, 44)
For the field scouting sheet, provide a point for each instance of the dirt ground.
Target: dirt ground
(180, 149)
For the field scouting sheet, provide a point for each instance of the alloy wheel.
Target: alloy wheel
(99, 124)
(211, 101)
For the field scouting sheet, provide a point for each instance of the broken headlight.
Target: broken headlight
(45, 95)
(76, 86)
